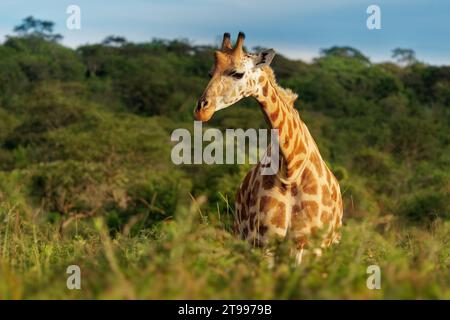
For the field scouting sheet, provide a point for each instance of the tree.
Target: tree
(347, 52)
(404, 56)
(32, 27)
(114, 41)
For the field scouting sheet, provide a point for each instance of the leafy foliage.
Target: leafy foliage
(86, 133)
(32, 27)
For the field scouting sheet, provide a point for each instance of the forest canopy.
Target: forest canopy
(87, 130)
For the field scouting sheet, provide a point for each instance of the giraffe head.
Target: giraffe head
(234, 76)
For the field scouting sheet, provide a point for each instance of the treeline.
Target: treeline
(86, 131)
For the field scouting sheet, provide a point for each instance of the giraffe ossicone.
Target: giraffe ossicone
(302, 202)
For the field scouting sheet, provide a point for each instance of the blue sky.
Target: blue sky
(296, 28)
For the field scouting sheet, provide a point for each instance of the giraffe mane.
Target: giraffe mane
(287, 95)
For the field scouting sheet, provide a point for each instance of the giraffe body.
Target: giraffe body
(302, 201)
(307, 210)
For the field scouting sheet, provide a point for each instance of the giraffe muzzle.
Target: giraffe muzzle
(204, 110)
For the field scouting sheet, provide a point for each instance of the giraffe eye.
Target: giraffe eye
(236, 75)
(210, 74)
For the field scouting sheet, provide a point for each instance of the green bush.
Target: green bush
(425, 206)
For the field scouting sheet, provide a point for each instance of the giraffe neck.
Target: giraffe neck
(294, 138)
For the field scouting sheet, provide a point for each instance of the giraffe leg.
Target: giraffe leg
(270, 258)
(298, 253)
(298, 256)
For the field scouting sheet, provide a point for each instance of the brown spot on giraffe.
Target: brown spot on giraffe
(262, 229)
(301, 241)
(325, 217)
(311, 209)
(264, 105)
(293, 166)
(337, 220)
(328, 175)
(307, 175)
(279, 217)
(238, 197)
(244, 213)
(254, 194)
(264, 202)
(298, 223)
(333, 193)
(291, 172)
(300, 147)
(284, 188)
(274, 98)
(326, 196)
(291, 156)
(246, 181)
(274, 115)
(268, 204)
(310, 187)
(268, 181)
(286, 142)
(266, 89)
(294, 190)
(244, 231)
(317, 163)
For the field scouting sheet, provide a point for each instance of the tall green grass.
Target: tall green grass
(195, 257)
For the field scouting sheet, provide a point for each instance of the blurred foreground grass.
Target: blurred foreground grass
(193, 258)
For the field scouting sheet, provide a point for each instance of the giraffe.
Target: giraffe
(302, 202)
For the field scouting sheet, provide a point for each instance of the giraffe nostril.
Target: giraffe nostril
(199, 105)
(202, 103)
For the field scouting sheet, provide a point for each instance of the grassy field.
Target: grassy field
(194, 257)
(87, 132)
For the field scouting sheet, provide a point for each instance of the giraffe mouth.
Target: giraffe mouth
(204, 114)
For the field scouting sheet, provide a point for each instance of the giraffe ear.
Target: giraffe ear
(264, 58)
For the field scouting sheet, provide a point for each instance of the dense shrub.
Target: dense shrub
(93, 126)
